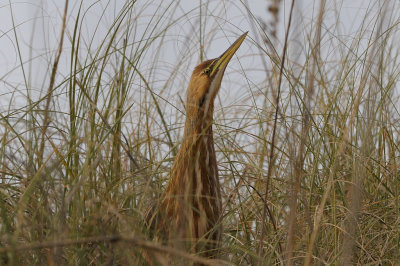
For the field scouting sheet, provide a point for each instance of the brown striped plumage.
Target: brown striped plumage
(190, 210)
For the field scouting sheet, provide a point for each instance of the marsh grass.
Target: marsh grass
(83, 157)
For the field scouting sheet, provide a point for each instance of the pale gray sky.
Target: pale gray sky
(37, 25)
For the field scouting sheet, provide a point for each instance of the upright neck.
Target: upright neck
(193, 193)
(196, 164)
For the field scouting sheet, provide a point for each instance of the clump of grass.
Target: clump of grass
(84, 155)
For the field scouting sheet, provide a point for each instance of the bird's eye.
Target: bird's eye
(207, 71)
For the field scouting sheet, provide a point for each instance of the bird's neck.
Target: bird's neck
(195, 163)
(194, 189)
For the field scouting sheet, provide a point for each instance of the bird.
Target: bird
(190, 209)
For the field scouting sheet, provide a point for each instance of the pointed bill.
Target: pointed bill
(222, 61)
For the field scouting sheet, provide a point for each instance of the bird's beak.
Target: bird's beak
(222, 61)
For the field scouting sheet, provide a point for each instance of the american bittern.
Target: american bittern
(190, 209)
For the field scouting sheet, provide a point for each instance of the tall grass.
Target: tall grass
(84, 154)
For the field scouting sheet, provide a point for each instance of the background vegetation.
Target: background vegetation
(307, 133)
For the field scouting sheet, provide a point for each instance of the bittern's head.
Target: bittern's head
(205, 83)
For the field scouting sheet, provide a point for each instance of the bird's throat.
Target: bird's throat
(196, 165)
